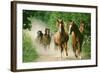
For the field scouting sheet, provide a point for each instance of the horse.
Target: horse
(39, 37)
(46, 38)
(77, 38)
(61, 37)
(81, 28)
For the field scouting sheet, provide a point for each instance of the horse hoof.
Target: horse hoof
(66, 54)
(76, 56)
(80, 57)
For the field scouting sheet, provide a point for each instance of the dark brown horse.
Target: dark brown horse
(77, 38)
(39, 37)
(46, 38)
(61, 37)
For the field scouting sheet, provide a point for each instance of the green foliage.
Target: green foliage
(29, 53)
(50, 17)
(86, 49)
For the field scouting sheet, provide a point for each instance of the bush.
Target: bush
(29, 53)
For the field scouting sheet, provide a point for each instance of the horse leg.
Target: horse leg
(66, 49)
(56, 47)
(74, 49)
(79, 50)
(61, 50)
(74, 43)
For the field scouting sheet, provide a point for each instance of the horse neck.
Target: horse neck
(76, 30)
(47, 35)
(62, 31)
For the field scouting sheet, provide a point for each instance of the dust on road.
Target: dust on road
(50, 54)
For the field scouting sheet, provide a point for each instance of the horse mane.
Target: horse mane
(62, 27)
(75, 29)
(62, 33)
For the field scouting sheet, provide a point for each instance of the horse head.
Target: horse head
(71, 26)
(39, 33)
(60, 25)
(81, 28)
(47, 31)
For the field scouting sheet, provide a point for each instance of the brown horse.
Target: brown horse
(61, 37)
(77, 38)
(46, 38)
(39, 37)
(81, 28)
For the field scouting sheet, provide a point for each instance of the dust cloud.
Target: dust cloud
(49, 54)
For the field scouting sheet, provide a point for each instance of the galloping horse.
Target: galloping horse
(61, 37)
(39, 37)
(46, 38)
(77, 38)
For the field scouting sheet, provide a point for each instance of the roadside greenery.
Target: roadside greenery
(29, 50)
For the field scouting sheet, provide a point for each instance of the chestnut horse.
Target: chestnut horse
(77, 38)
(61, 37)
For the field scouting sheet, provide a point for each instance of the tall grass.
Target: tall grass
(29, 53)
(87, 48)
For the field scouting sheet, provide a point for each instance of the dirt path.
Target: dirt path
(50, 54)
(54, 54)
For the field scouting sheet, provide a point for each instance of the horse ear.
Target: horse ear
(58, 20)
(73, 22)
(57, 23)
(62, 21)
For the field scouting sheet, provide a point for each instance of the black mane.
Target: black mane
(75, 29)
